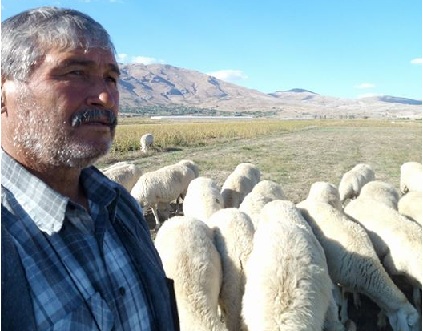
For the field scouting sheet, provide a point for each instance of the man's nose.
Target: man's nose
(103, 96)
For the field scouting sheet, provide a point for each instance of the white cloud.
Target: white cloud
(365, 85)
(145, 60)
(229, 75)
(125, 58)
(121, 57)
(416, 61)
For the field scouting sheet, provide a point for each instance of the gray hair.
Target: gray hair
(28, 36)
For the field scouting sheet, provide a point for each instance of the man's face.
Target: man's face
(56, 117)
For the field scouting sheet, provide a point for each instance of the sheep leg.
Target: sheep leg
(356, 299)
(381, 320)
(156, 217)
(417, 298)
(398, 321)
(342, 301)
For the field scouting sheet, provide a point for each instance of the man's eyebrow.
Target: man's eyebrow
(87, 63)
(113, 67)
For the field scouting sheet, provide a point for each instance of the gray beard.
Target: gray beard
(49, 139)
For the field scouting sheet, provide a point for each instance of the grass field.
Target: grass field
(294, 154)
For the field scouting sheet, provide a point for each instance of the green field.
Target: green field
(293, 153)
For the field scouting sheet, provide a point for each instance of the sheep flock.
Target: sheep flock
(245, 258)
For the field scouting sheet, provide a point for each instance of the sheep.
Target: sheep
(186, 248)
(325, 192)
(194, 167)
(353, 262)
(162, 186)
(249, 170)
(287, 282)
(202, 199)
(239, 183)
(410, 205)
(262, 193)
(146, 142)
(353, 180)
(124, 173)
(381, 191)
(396, 239)
(411, 177)
(234, 234)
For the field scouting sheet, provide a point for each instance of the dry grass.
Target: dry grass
(292, 153)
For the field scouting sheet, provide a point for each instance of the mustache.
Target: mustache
(106, 116)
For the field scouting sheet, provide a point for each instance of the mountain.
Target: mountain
(164, 86)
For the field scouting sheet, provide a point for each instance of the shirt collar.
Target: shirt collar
(44, 205)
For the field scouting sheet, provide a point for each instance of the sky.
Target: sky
(338, 48)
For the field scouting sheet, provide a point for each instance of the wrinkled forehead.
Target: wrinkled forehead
(94, 57)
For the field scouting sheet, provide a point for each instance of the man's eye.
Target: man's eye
(76, 72)
(111, 79)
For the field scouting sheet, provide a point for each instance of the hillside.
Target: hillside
(161, 86)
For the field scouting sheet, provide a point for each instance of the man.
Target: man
(76, 251)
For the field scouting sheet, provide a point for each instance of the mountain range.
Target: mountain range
(157, 86)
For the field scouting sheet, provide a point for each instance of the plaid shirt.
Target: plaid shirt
(80, 275)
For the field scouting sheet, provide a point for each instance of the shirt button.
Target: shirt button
(122, 291)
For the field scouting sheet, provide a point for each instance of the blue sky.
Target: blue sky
(340, 48)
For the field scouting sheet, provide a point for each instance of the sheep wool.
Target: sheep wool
(234, 234)
(202, 199)
(239, 183)
(410, 205)
(262, 193)
(325, 192)
(146, 141)
(352, 261)
(396, 239)
(381, 191)
(411, 177)
(353, 180)
(162, 187)
(124, 173)
(287, 282)
(190, 258)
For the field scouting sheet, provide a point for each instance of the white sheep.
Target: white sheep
(354, 264)
(202, 199)
(353, 180)
(162, 186)
(234, 234)
(396, 239)
(190, 258)
(381, 191)
(249, 170)
(194, 167)
(239, 183)
(287, 282)
(146, 142)
(411, 177)
(262, 193)
(325, 192)
(124, 173)
(410, 205)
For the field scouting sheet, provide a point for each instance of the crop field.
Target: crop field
(293, 153)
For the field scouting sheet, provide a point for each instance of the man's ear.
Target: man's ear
(3, 96)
